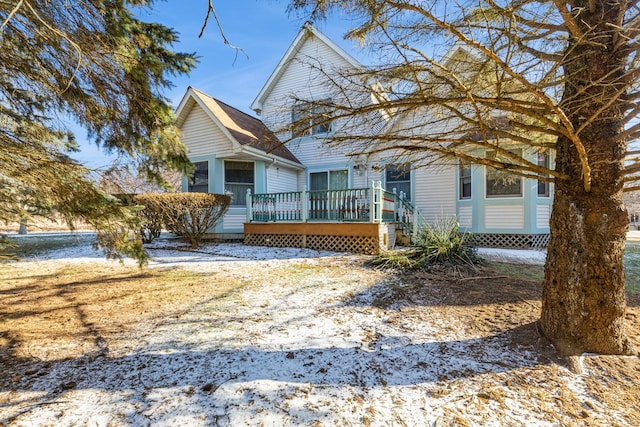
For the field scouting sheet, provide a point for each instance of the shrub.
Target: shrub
(6, 248)
(151, 209)
(444, 243)
(441, 243)
(398, 260)
(189, 215)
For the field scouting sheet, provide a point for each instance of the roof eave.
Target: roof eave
(270, 157)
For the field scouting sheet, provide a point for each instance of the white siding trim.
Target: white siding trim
(504, 217)
(202, 137)
(434, 192)
(465, 216)
(543, 214)
(233, 222)
(281, 180)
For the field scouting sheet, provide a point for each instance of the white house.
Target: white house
(235, 152)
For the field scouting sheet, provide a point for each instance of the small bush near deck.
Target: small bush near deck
(188, 215)
(397, 260)
(441, 243)
(444, 243)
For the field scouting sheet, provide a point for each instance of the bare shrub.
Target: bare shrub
(189, 215)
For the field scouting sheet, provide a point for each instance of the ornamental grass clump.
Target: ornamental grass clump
(443, 243)
(439, 244)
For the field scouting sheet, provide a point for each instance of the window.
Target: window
(329, 180)
(238, 177)
(310, 119)
(543, 186)
(199, 182)
(501, 183)
(465, 179)
(398, 177)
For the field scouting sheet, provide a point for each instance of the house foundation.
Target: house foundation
(356, 237)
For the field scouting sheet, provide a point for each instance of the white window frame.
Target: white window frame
(464, 180)
(328, 173)
(199, 179)
(389, 184)
(544, 162)
(241, 200)
(313, 111)
(506, 176)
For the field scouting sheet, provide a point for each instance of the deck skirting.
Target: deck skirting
(518, 241)
(365, 238)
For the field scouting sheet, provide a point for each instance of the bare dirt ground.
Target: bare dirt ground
(64, 316)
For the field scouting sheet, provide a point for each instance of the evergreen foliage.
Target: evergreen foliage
(94, 63)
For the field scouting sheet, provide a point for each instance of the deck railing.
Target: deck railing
(374, 204)
(408, 217)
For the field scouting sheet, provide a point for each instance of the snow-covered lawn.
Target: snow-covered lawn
(314, 347)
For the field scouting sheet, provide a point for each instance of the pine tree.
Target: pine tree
(482, 76)
(94, 63)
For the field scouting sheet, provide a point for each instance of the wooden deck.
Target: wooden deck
(356, 237)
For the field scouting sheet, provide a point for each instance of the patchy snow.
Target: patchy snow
(516, 256)
(314, 352)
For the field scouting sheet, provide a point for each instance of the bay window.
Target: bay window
(501, 183)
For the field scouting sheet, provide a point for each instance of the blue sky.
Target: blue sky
(261, 28)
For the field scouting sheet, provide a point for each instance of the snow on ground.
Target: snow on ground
(314, 352)
(516, 256)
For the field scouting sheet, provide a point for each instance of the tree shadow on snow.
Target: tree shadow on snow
(386, 361)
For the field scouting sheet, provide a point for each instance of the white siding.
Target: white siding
(465, 217)
(303, 79)
(202, 137)
(504, 217)
(434, 192)
(361, 177)
(302, 180)
(281, 179)
(233, 222)
(543, 213)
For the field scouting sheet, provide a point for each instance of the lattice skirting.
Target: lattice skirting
(355, 244)
(510, 240)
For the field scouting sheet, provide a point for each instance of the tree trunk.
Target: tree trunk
(23, 227)
(583, 301)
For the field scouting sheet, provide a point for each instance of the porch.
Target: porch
(364, 220)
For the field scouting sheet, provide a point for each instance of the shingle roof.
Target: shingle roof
(245, 129)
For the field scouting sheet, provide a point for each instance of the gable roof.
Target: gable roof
(305, 32)
(247, 134)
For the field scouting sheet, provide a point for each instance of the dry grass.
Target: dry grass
(67, 311)
(36, 225)
(78, 310)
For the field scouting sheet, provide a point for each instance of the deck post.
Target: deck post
(305, 204)
(249, 206)
(372, 203)
(396, 204)
(380, 201)
(414, 218)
